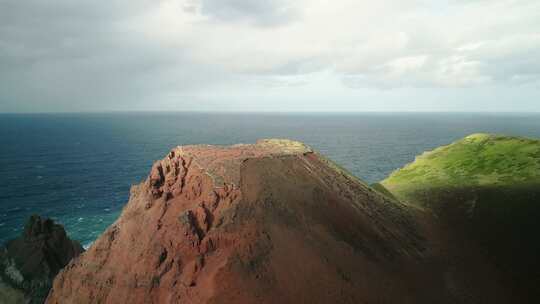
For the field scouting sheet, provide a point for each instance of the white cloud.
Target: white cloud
(85, 54)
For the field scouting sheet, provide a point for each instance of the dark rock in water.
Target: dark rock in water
(29, 263)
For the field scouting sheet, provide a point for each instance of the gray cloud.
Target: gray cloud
(83, 55)
(80, 56)
(265, 13)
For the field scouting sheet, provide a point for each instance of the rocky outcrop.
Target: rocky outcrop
(29, 263)
(272, 222)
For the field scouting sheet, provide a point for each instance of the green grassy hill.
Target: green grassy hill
(478, 160)
(487, 187)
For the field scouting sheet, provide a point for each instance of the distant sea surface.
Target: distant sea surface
(78, 168)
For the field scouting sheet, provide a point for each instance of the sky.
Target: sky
(273, 55)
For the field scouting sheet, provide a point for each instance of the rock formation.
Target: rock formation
(29, 263)
(272, 222)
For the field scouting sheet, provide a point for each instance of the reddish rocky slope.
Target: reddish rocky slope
(272, 222)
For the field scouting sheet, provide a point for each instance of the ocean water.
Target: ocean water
(78, 168)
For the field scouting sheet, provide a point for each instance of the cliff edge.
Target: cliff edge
(271, 222)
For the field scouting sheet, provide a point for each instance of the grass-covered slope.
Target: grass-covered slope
(478, 160)
(487, 187)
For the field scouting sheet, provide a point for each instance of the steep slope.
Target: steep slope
(29, 263)
(487, 187)
(272, 222)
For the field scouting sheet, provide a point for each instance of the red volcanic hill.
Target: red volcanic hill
(272, 222)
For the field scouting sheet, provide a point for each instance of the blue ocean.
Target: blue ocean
(78, 168)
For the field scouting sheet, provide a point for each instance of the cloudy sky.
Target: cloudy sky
(269, 55)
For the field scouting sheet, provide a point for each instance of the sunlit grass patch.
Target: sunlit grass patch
(476, 160)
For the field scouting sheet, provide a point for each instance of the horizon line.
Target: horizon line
(263, 112)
